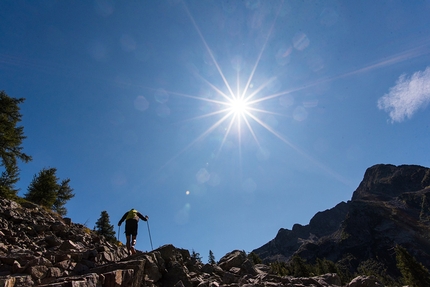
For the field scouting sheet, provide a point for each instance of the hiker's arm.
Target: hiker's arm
(122, 219)
(145, 218)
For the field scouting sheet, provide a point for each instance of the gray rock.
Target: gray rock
(365, 281)
(233, 259)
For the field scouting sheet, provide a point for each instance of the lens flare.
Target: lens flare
(239, 107)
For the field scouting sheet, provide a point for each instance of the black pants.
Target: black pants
(131, 227)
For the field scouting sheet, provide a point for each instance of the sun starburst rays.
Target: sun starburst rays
(242, 108)
(239, 112)
(237, 107)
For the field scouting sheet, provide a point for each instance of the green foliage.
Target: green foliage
(299, 267)
(195, 257)
(43, 188)
(8, 179)
(324, 266)
(413, 272)
(375, 268)
(344, 266)
(103, 227)
(11, 137)
(279, 268)
(211, 258)
(255, 258)
(64, 194)
(45, 191)
(296, 267)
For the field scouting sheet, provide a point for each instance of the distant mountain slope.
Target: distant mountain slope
(390, 206)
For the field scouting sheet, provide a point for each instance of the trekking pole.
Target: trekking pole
(119, 228)
(149, 232)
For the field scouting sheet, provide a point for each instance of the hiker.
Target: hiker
(131, 219)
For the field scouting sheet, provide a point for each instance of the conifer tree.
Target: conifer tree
(299, 266)
(255, 258)
(211, 258)
(195, 256)
(46, 191)
(8, 179)
(11, 137)
(413, 272)
(43, 188)
(103, 227)
(64, 194)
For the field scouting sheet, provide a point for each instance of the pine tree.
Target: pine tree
(103, 227)
(45, 191)
(8, 179)
(279, 268)
(195, 256)
(64, 194)
(413, 272)
(255, 258)
(11, 137)
(299, 267)
(211, 258)
(323, 266)
(43, 188)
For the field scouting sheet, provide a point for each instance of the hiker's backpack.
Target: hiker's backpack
(132, 214)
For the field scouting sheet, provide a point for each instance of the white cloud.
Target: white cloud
(407, 96)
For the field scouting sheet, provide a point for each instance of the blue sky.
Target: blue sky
(223, 121)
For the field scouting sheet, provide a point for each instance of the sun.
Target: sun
(239, 107)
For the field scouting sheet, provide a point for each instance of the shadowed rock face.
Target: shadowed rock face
(391, 206)
(385, 182)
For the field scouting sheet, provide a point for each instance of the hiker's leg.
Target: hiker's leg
(128, 243)
(133, 243)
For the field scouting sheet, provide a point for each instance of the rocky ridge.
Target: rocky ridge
(39, 248)
(390, 207)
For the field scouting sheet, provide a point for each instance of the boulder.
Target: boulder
(233, 259)
(365, 281)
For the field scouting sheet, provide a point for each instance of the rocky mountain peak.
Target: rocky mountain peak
(386, 181)
(390, 207)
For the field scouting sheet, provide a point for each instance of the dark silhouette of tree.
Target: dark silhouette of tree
(64, 194)
(11, 137)
(279, 268)
(195, 257)
(45, 191)
(43, 188)
(255, 258)
(211, 258)
(298, 267)
(8, 179)
(413, 272)
(323, 266)
(103, 227)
